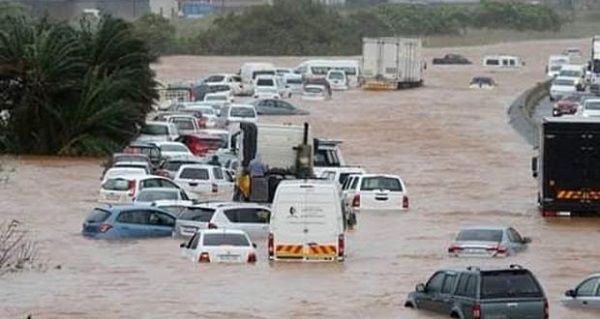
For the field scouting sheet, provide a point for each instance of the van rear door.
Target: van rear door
(323, 221)
(287, 225)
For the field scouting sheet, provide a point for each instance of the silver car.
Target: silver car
(487, 241)
(586, 295)
(193, 219)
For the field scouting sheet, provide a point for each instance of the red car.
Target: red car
(202, 144)
(567, 105)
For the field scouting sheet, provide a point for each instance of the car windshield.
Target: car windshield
(97, 216)
(592, 105)
(336, 75)
(116, 184)
(173, 148)
(242, 112)
(480, 235)
(215, 98)
(509, 284)
(555, 68)
(130, 158)
(312, 89)
(381, 183)
(264, 82)
(570, 73)
(564, 82)
(154, 195)
(184, 124)
(225, 240)
(215, 78)
(293, 81)
(155, 129)
(194, 173)
(197, 214)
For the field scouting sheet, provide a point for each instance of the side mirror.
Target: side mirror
(254, 245)
(183, 245)
(526, 240)
(420, 288)
(571, 293)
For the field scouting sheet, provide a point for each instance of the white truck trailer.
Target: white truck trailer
(594, 67)
(392, 63)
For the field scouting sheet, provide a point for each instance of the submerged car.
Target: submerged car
(115, 222)
(568, 105)
(488, 241)
(482, 82)
(473, 293)
(220, 246)
(315, 93)
(585, 295)
(277, 107)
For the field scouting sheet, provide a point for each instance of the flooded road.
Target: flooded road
(460, 159)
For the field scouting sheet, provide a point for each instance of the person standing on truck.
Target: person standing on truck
(257, 167)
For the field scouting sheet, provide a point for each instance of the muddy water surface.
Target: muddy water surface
(461, 161)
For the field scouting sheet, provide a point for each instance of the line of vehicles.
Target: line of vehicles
(191, 174)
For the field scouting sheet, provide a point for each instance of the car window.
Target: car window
(194, 173)
(346, 183)
(493, 235)
(448, 283)
(343, 177)
(242, 112)
(197, 214)
(264, 82)
(285, 105)
(248, 215)
(133, 217)
(509, 284)
(116, 184)
(269, 103)
(463, 285)
(155, 129)
(193, 242)
(354, 183)
(167, 184)
(154, 195)
(148, 183)
(471, 286)
(587, 288)
(514, 236)
(183, 124)
(381, 182)
(434, 285)
(160, 219)
(97, 216)
(225, 240)
(217, 172)
(492, 62)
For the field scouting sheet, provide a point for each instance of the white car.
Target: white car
(561, 87)
(591, 108)
(152, 194)
(337, 79)
(124, 189)
(375, 192)
(137, 165)
(294, 82)
(307, 222)
(185, 123)
(252, 218)
(574, 71)
(220, 99)
(315, 93)
(193, 219)
(158, 131)
(220, 246)
(237, 113)
(204, 182)
(234, 81)
(270, 87)
(175, 207)
(208, 112)
(341, 174)
(124, 172)
(173, 149)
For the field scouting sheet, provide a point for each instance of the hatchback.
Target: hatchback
(125, 189)
(220, 246)
(488, 241)
(472, 293)
(128, 221)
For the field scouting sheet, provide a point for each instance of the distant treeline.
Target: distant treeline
(305, 27)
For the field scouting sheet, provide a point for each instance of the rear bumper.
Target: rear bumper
(558, 208)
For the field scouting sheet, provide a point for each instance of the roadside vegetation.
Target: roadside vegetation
(72, 89)
(18, 251)
(304, 27)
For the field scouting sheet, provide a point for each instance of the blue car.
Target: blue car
(127, 222)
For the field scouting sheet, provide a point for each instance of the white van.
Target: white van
(555, 63)
(337, 79)
(312, 69)
(306, 222)
(502, 61)
(270, 87)
(249, 71)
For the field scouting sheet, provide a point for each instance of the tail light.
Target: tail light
(131, 187)
(204, 258)
(454, 249)
(252, 257)
(356, 201)
(477, 311)
(104, 228)
(215, 188)
(212, 226)
(405, 202)
(341, 245)
(546, 309)
(270, 245)
(498, 249)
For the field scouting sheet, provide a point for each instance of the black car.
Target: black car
(451, 58)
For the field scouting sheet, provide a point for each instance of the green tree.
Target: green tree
(157, 31)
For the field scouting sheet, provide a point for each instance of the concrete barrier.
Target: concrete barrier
(520, 112)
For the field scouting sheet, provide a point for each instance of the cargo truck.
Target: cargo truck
(392, 63)
(594, 66)
(566, 166)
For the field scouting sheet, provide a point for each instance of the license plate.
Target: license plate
(111, 196)
(229, 257)
(473, 251)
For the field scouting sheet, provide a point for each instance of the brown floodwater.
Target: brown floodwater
(462, 163)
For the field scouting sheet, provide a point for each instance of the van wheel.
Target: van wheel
(409, 304)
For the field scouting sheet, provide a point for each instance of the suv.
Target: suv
(472, 293)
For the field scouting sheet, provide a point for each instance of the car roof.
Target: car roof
(204, 166)
(315, 86)
(159, 189)
(221, 204)
(484, 227)
(169, 202)
(484, 269)
(187, 116)
(126, 207)
(223, 231)
(130, 154)
(381, 175)
(157, 123)
(250, 106)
